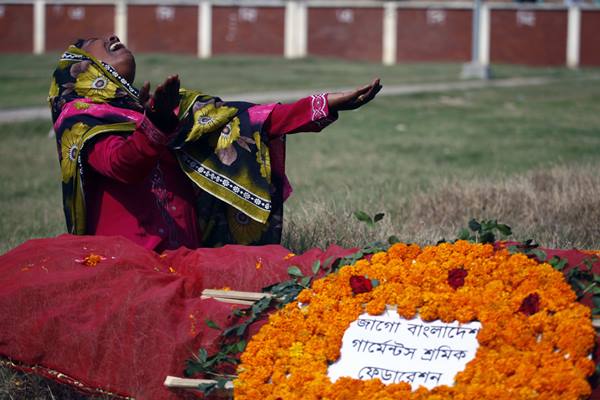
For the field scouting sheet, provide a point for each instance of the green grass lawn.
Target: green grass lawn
(374, 159)
(25, 79)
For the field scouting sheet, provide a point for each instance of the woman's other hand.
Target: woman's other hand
(160, 106)
(355, 99)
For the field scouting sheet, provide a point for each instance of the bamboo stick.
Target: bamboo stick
(186, 383)
(227, 300)
(235, 294)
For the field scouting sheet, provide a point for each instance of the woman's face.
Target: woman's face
(113, 52)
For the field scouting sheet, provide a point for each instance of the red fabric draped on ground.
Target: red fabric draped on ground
(125, 323)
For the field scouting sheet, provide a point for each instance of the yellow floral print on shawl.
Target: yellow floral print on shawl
(262, 157)
(208, 118)
(70, 147)
(229, 134)
(243, 228)
(54, 89)
(94, 84)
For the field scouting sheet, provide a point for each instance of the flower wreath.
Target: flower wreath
(535, 339)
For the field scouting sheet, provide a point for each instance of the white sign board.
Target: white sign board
(393, 349)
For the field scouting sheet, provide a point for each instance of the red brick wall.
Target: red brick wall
(590, 38)
(156, 28)
(248, 30)
(434, 35)
(351, 33)
(529, 37)
(66, 23)
(16, 28)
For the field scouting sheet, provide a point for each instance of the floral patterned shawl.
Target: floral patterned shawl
(217, 145)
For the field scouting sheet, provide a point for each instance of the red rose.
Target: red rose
(456, 277)
(530, 304)
(360, 284)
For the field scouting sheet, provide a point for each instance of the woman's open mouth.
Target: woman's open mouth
(116, 46)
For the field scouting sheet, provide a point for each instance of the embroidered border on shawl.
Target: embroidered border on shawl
(226, 183)
(318, 103)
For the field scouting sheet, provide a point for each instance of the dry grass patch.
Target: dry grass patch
(559, 207)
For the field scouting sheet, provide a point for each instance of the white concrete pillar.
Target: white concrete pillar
(289, 48)
(573, 36)
(302, 26)
(205, 29)
(121, 20)
(484, 35)
(390, 33)
(296, 29)
(39, 26)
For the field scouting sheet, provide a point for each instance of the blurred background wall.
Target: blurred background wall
(552, 33)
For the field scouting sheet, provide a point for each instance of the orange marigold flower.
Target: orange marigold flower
(289, 357)
(91, 260)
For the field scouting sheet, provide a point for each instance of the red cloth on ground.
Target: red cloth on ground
(126, 323)
(136, 188)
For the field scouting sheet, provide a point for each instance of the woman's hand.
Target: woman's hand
(355, 99)
(160, 106)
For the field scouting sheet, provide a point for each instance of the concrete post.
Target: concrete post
(39, 26)
(289, 48)
(205, 29)
(484, 36)
(475, 69)
(302, 38)
(390, 34)
(121, 20)
(573, 36)
(296, 20)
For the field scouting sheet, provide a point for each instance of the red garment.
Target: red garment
(139, 191)
(125, 323)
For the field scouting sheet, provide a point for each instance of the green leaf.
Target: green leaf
(577, 284)
(305, 281)
(504, 229)
(558, 263)
(316, 266)
(211, 324)
(487, 237)
(375, 282)
(241, 329)
(363, 217)
(378, 217)
(512, 249)
(393, 239)
(464, 234)
(241, 346)
(261, 305)
(295, 271)
(539, 254)
(596, 301)
(202, 356)
(488, 225)
(206, 388)
(239, 312)
(221, 382)
(474, 225)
